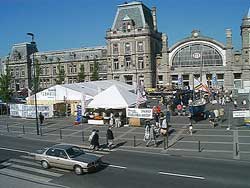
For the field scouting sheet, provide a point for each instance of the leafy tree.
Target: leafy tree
(37, 76)
(61, 75)
(5, 81)
(95, 73)
(81, 74)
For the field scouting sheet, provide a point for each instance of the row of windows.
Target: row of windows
(72, 56)
(18, 72)
(127, 47)
(128, 63)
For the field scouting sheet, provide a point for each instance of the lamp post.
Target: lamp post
(35, 84)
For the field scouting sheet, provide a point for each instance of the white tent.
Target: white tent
(114, 97)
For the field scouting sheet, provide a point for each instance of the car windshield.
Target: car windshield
(74, 151)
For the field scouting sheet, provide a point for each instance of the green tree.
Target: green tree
(5, 81)
(81, 74)
(38, 71)
(95, 73)
(61, 74)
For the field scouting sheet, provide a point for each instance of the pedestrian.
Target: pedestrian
(223, 101)
(235, 104)
(164, 127)
(41, 118)
(110, 137)
(90, 138)
(190, 128)
(117, 120)
(111, 120)
(147, 131)
(95, 141)
(152, 135)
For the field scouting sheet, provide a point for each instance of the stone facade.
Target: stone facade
(137, 51)
(133, 43)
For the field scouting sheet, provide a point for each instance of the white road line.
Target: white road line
(182, 175)
(16, 150)
(27, 157)
(24, 175)
(115, 166)
(25, 162)
(45, 172)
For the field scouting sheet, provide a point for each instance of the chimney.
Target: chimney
(153, 11)
(229, 44)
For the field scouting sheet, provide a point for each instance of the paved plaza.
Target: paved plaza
(206, 141)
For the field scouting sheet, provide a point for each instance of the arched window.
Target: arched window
(196, 55)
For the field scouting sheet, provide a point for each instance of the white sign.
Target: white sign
(29, 111)
(243, 113)
(146, 113)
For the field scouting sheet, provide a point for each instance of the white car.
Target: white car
(68, 157)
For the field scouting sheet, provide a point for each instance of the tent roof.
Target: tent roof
(114, 97)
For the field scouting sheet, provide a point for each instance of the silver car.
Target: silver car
(68, 157)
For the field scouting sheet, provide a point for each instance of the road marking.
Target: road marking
(24, 162)
(15, 150)
(182, 175)
(27, 157)
(115, 166)
(24, 175)
(45, 172)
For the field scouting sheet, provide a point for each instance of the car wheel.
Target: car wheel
(45, 164)
(78, 170)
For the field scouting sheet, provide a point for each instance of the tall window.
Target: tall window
(140, 63)
(128, 62)
(140, 46)
(116, 64)
(54, 70)
(115, 49)
(127, 48)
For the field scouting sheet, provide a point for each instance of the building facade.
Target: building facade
(135, 51)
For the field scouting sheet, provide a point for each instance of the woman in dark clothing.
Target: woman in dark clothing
(95, 140)
(110, 137)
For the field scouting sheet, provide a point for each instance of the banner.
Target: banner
(29, 111)
(146, 113)
(79, 114)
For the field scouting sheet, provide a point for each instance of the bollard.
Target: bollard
(23, 130)
(82, 136)
(107, 139)
(60, 133)
(8, 129)
(164, 142)
(41, 132)
(199, 146)
(167, 140)
(134, 142)
(236, 149)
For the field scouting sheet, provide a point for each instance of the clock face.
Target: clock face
(196, 34)
(196, 55)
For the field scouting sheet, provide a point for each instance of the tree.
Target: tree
(5, 91)
(81, 74)
(37, 76)
(61, 75)
(95, 73)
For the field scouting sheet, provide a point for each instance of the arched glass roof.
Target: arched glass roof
(196, 55)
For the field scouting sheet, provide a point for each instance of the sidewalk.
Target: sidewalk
(205, 141)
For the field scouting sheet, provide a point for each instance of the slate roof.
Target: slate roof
(137, 11)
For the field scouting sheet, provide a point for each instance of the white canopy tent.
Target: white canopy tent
(114, 97)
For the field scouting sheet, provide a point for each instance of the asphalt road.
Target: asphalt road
(121, 169)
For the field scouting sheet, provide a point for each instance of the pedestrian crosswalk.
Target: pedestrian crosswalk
(25, 167)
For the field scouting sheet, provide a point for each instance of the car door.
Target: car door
(51, 157)
(63, 161)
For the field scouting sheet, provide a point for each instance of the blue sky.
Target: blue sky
(64, 24)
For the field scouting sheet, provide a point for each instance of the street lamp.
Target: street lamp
(35, 84)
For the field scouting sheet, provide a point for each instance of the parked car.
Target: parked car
(68, 156)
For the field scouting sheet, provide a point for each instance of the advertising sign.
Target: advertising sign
(146, 113)
(79, 114)
(242, 113)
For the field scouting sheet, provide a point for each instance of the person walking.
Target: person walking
(190, 128)
(110, 137)
(95, 140)
(41, 118)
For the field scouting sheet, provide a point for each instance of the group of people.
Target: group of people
(94, 139)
